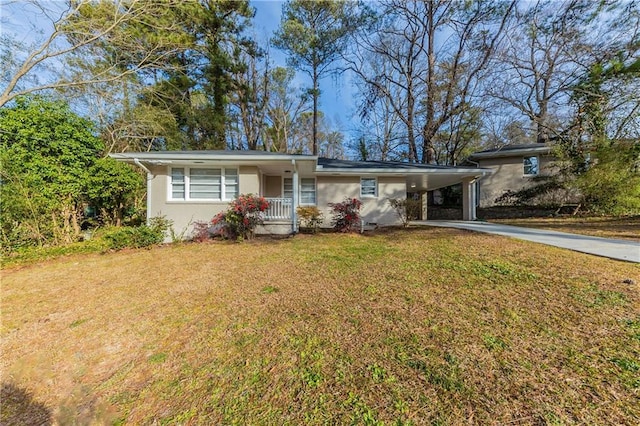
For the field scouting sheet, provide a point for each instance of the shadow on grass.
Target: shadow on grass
(19, 408)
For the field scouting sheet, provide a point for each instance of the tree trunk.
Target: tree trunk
(315, 111)
(429, 127)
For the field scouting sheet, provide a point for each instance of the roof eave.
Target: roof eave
(383, 171)
(168, 158)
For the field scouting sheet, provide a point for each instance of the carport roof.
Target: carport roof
(333, 165)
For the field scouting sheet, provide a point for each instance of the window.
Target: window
(230, 183)
(287, 188)
(203, 184)
(531, 166)
(368, 187)
(307, 191)
(177, 183)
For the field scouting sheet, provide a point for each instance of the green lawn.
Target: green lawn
(424, 326)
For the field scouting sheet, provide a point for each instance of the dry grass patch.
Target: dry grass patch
(626, 228)
(425, 326)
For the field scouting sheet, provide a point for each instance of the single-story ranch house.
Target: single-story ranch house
(190, 186)
(514, 168)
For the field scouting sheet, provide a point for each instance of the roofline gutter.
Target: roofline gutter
(142, 166)
(153, 157)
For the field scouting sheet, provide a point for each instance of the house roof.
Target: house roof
(419, 176)
(511, 151)
(167, 156)
(323, 164)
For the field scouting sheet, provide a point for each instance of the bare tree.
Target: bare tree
(389, 61)
(431, 57)
(536, 67)
(382, 127)
(74, 35)
(285, 105)
(551, 49)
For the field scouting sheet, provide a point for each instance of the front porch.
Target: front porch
(280, 210)
(279, 217)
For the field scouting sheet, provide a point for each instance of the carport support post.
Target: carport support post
(424, 201)
(469, 198)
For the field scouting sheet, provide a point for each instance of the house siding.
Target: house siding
(185, 213)
(508, 176)
(329, 189)
(249, 180)
(273, 186)
(334, 189)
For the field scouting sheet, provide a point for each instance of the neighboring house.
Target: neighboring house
(514, 167)
(190, 186)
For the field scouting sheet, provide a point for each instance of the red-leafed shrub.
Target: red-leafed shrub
(242, 217)
(201, 232)
(346, 215)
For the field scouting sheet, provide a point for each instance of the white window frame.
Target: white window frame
(284, 195)
(315, 190)
(187, 184)
(375, 188)
(524, 159)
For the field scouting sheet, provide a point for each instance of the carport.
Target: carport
(420, 178)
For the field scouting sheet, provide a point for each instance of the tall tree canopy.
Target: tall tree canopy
(315, 35)
(198, 82)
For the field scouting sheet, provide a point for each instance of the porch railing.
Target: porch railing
(279, 209)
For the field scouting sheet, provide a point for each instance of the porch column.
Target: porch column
(469, 198)
(295, 194)
(424, 199)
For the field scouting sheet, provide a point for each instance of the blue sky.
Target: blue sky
(337, 95)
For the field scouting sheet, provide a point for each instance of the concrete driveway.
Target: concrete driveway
(614, 249)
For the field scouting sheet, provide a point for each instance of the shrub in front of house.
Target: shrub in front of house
(201, 231)
(309, 217)
(346, 215)
(242, 217)
(407, 209)
(122, 237)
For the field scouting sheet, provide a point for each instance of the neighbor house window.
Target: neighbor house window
(368, 187)
(531, 167)
(307, 190)
(203, 184)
